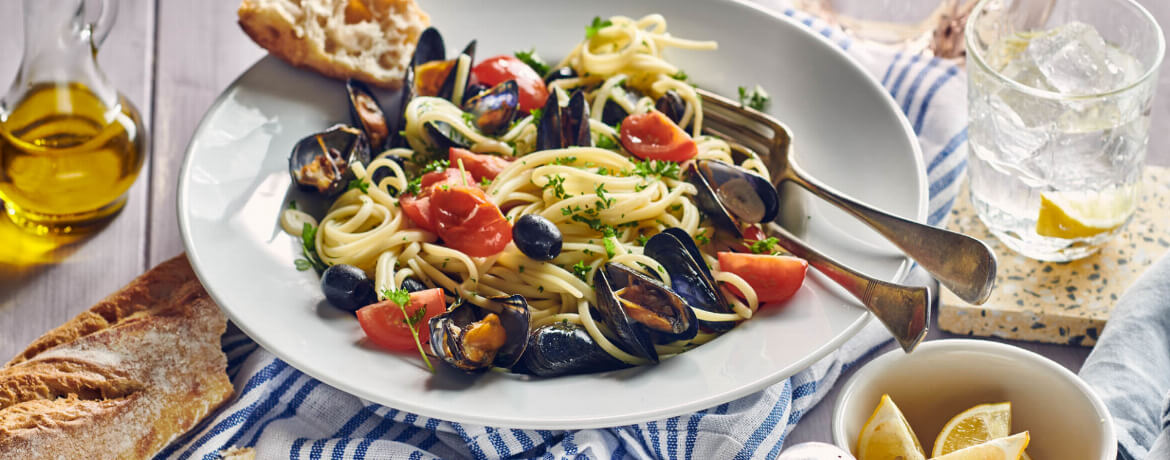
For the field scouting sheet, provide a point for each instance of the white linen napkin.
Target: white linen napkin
(284, 413)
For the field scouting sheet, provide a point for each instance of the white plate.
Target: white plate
(848, 132)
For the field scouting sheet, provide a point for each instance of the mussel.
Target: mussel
(444, 136)
(494, 109)
(731, 195)
(564, 349)
(672, 105)
(641, 311)
(561, 127)
(320, 162)
(434, 75)
(366, 113)
(560, 74)
(473, 338)
(689, 275)
(613, 112)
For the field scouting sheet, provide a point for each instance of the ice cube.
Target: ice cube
(1074, 59)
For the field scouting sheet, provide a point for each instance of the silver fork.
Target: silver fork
(963, 264)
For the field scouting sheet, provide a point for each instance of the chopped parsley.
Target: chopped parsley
(536, 114)
(604, 202)
(401, 297)
(564, 160)
(702, 238)
(557, 182)
(437, 165)
(610, 247)
(485, 182)
(292, 204)
(667, 169)
(596, 26)
(755, 98)
(359, 184)
(606, 142)
(681, 75)
(533, 60)
(580, 270)
(642, 239)
(765, 246)
(309, 250)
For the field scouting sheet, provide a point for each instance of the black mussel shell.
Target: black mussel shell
(537, 237)
(366, 113)
(575, 122)
(548, 129)
(560, 74)
(413, 285)
(454, 79)
(473, 89)
(612, 113)
(731, 195)
(564, 349)
(320, 162)
(672, 105)
(493, 110)
(689, 275)
(430, 47)
(443, 136)
(451, 331)
(640, 310)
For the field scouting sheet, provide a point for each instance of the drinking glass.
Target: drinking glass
(928, 26)
(1060, 98)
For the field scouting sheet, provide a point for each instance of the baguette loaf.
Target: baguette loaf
(121, 380)
(371, 40)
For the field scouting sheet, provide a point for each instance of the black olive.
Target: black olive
(413, 285)
(347, 287)
(560, 74)
(537, 237)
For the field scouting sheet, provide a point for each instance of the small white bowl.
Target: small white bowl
(1063, 416)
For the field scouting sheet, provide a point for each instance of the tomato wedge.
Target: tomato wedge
(385, 325)
(418, 207)
(467, 221)
(499, 69)
(774, 278)
(479, 165)
(653, 136)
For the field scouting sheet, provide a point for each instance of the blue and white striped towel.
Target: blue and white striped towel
(284, 413)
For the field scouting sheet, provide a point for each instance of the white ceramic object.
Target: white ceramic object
(847, 131)
(1063, 416)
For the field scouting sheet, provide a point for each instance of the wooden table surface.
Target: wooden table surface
(171, 59)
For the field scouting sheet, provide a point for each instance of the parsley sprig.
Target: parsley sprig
(764, 246)
(533, 60)
(755, 98)
(359, 184)
(401, 297)
(596, 26)
(309, 250)
(667, 169)
(580, 270)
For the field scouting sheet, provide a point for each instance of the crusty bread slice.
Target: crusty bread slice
(121, 380)
(371, 40)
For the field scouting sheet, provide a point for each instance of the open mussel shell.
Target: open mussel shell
(731, 195)
(561, 127)
(689, 276)
(366, 113)
(430, 48)
(561, 73)
(432, 74)
(321, 162)
(641, 311)
(564, 349)
(473, 338)
(672, 105)
(612, 112)
(494, 109)
(444, 136)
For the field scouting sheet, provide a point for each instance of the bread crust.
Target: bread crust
(121, 380)
(374, 46)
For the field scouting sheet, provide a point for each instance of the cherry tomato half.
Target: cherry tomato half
(499, 69)
(479, 165)
(653, 136)
(418, 207)
(467, 221)
(385, 325)
(774, 278)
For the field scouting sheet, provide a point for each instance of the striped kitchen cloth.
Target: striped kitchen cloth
(284, 413)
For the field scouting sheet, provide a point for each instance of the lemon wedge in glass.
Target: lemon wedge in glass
(887, 435)
(1009, 448)
(974, 426)
(1084, 214)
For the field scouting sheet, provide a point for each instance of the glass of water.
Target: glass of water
(1060, 98)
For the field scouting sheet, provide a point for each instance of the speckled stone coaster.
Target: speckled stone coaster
(1065, 303)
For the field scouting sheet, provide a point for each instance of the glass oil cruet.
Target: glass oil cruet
(70, 145)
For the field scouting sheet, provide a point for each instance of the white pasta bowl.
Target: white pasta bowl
(1063, 416)
(847, 131)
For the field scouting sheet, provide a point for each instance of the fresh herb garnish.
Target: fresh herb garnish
(596, 26)
(536, 114)
(606, 142)
(436, 165)
(580, 270)
(610, 247)
(533, 60)
(309, 250)
(292, 204)
(564, 160)
(605, 202)
(681, 75)
(302, 265)
(359, 184)
(468, 119)
(557, 182)
(667, 169)
(756, 98)
(401, 297)
(702, 238)
(485, 182)
(764, 246)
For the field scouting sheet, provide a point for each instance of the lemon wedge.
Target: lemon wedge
(887, 435)
(1009, 448)
(976, 425)
(1084, 214)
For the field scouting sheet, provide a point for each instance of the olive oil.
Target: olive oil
(67, 159)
